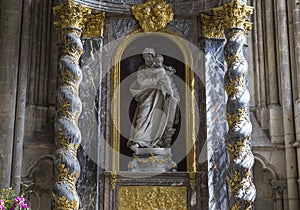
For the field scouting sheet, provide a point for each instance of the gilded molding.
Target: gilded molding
(113, 180)
(232, 15)
(71, 19)
(152, 197)
(153, 15)
(94, 25)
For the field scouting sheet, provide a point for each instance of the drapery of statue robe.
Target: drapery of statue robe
(153, 109)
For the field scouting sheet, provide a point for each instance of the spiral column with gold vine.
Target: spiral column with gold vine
(71, 19)
(232, 20)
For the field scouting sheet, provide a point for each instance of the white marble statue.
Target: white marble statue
(157, 97)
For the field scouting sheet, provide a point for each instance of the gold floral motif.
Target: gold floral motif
(235, 86)
(237, 117)
(70, 14)
(94, 25)
(61, 141)
(62, 175)
(71, 47)
(152, 197)
(62, 203)
(69, 79)
(236, 207)
(153, 15)
(235, 149)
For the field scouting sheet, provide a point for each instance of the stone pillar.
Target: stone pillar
(9, 66)
(277, 189)
(71, 19)
(296, 23)
(275, 110)
(21, 97)
(287, 105)
(263, 112)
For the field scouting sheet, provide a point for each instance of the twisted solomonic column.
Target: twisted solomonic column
(238, 140)
(71, 18)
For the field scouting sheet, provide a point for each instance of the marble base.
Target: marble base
(152, 160)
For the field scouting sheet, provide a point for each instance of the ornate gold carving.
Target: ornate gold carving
(212, 27)
(152, 197)
(247, 27)
(235, 149)
(237, 117)
(70, 14)
(62, 175)
(232, 15)
(113, 180)
(153, 15)
(70, 79)
(94, 25)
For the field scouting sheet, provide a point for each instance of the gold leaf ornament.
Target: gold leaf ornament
(153, 15)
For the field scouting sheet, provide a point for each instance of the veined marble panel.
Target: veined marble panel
(216, 123)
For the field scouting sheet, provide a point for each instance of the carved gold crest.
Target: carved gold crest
(153, 15)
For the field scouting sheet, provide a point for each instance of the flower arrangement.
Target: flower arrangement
(10, 201)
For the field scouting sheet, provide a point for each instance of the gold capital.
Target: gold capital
(94, 25)
(232, 15)
(70, 14)
(153, 15)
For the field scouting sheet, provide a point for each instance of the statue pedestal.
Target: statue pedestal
(157, 160)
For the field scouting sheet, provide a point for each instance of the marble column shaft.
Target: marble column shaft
(238, 139)
(71, 19)
(9, 67)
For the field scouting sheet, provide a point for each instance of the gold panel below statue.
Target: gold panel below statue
(152, 197)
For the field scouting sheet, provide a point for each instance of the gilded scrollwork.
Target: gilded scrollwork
(153, 15)
(152, 197)
(71, 19)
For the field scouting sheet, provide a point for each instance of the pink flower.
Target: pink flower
(21, 202)
(1, 205)
(24, 205)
